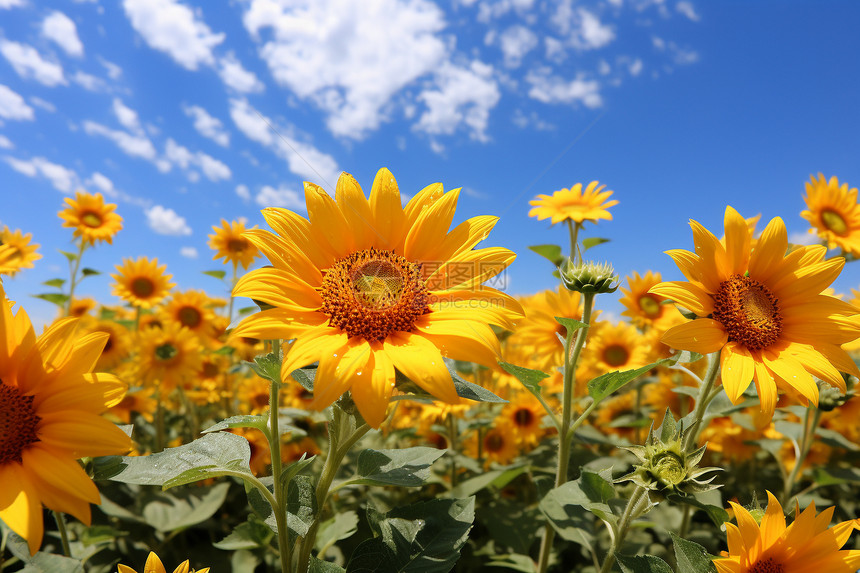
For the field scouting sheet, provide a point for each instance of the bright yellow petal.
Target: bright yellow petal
(338, 371)
(467, 340)
(687, 295)
(372, 396)
(737, 369)
(422, 363)
(749, 530)
(297, 229)
(82, 434)
(276, 323)
(703, 335)
(153, 564)
(769, 250)
(356, 211)
(327, 220)
(792, 372)
(275, 287)
(310, 347)
(20, 507)
(285, 256)
(773, 522)
(385, 203)
(737, 242)
(430, 229)
(765, 386)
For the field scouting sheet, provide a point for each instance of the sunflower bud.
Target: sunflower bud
(589, 277)
(830, 398)
(665, 467)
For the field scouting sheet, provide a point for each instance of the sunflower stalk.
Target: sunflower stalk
(73, 279)
(273, 435)
(64, 534)
(633, 510)
(702, 400)
(809, 428)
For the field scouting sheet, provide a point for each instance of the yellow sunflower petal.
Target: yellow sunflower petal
(421, 362)
(737, 242)
(297, 229)
(285, 256)
(275, 287)
(467, 340)
(372, 396)
(765, 386)
(737, 369)
(431, 228)
(388, 215)
(153, 564)
(817, 364)
(82, 434)
(20, 508)
(277, 323)
(703, 335)
(773, 522)
(709, 248)
(327, 220)
(749, 529)
(687, 295)
(356, 211)
(421, 201)
(308, 348)
(769, 250)
(792, 372)
(338, 371)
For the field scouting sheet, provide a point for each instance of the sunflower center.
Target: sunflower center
(189, 316)
(650, 306)
(166, 351)
(18, 423)
(767, 566)
(494, 443)
(142, 287)
(210, 370)
(834, 222)
(749, 312)
(524, 417)
(237, 245)
(92, 220)
(108, 344)
(616, 355)
(372, 293)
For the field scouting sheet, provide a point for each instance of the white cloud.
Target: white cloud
(302, 158)
(89, 82)
(464, 95)
(134, 145)
(516, 42)
(46, 105)
(547, 88)
(178, 154)
(13, 106)
(126, 116)
(207, 125)
(280, 197)
(61, 178)
(636, 67)
(688, 10)
(29, 64)
(235, 76)
(61, 30)
(213, 169)
(113, 70)
(103, 184)
(592, 34)
(803, 238)
(189, 252)
(492, 9)
(243, 192)
(166, 221)
(6, 143)
(349, 58)
(7, 4)
(173, 28)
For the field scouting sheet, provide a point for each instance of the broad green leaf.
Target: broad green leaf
(295, 468)
(643, 564)
(57, 298)
(495, 478)
(88, 272)
(408, 467)
(835, 440)
(788, 429)
(57, 283)
(70, 256)
(96, 534)
(605, 384)
(717, 514)
(527, 377)
(41, 562)
(343, 525)
(249, 535)
(592, 242)
(835, 475)
(513, 562)
(217, 274)
(691, 557)
(169, 511)
(511, 523)
(259, 504)
(242, 421)
(571, 324)
(267, 367)
(565, 506)
(685, 357)
(320, 566)
(301, 505)
(305, 377)
(550, 252)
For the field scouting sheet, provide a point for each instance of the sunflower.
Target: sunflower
(154, 565)
(833, 211)
(16, 251)
(117, 346)
(82, 306)
(141, 283)
(92, 218)
(229, 243)
(498, 444)
(615, 347)
(645, 309)
(805, 545)
(368, 286)
(574, 204)
(138, 400)
(525, 414)
(191, 309)
(168, 356)
(763, 311)
(50, 406)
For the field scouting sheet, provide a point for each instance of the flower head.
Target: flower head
(763, 310)
(142, 282)
(771, 547)
(229, 244)
(644, 308)
(365, 287)
(589, 277)
(834, 213)
(50, 406)
(168, 355)
(574, 204)
(16, 251)
(154, 565)
(91, 218)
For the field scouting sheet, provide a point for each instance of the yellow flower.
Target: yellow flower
(229, 243)
(806, 545)
(82, 306)
(367, 286)
(614, 347)
(498, 444)
(168, 355)
(574, 204)
(525, 414)
(50, 406)
(190, 309)
(153, 565)
(763, 311)
(833, 211)
(644, 308)
(92, 218)
(142, 283)
(117, 346)
(16, 251)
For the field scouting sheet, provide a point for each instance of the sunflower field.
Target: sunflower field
(369, 399)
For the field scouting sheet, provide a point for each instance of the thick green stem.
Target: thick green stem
(280, 502)
(232, 285)
(64, 535)
(568, 427)
(704, 398)
(631, 512)
(452, 439)
(809, 428)
(73, 282)
(574, 242)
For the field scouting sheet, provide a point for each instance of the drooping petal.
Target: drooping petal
(338, 371)
(703, 335)
(372, 395)
(20, 508)
(737, 369)
(421, 362)
(765, 386)
(687, 295)
(310, 347)
(467, 340)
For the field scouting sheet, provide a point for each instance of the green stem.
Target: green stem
(159, 420)
(704, 398)
(809, 429)
(685, 521)
(73, 282)
(452, 439)
(64, 535)
(568, 427)
(631, 512)
(279, 504)
(575, 256)
(232, 284)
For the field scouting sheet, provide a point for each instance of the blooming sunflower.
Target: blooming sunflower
(141, 283)
(644, 308)
(763, 311)
(117, 346)
(82, 306)
(154, 565)
(190, 309)
(16, 251)
(525, 414)
(229, 243)
(806, 545)
(50, 406)
(498, 444)
(168, 355)
(91, 218)
(615, 347)
(574, 204)
(365, 287)
(833, 211)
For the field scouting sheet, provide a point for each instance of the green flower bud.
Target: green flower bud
(589, 277)
(830, 398)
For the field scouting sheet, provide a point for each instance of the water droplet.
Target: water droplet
(334, 355)
(358, 373)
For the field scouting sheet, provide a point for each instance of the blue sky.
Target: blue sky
(184, 113)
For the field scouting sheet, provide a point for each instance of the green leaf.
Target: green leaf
(70, 256)
(319, 566)
(305, 377)
(170, 511)
(205, 457)
(717, 514)
(41, 562)
(527, 377)
(267, 367)
(242, 421)
(57, 298)
(572, 325)
(301, 505)
(835, 440)
(425, 537)
(88, 272)
(341, 526)
(564, 505)
(246, 310)
(691, 557)
(685, 357)
(511, 524)
(217, 274)
(295, 468)
(605, 384)
(96, 534)
(495, 478)
(643, 564)
(57, 283)
(408, 467)
(592, 242)
(249, 535)
(464, 388)
(549, 252)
